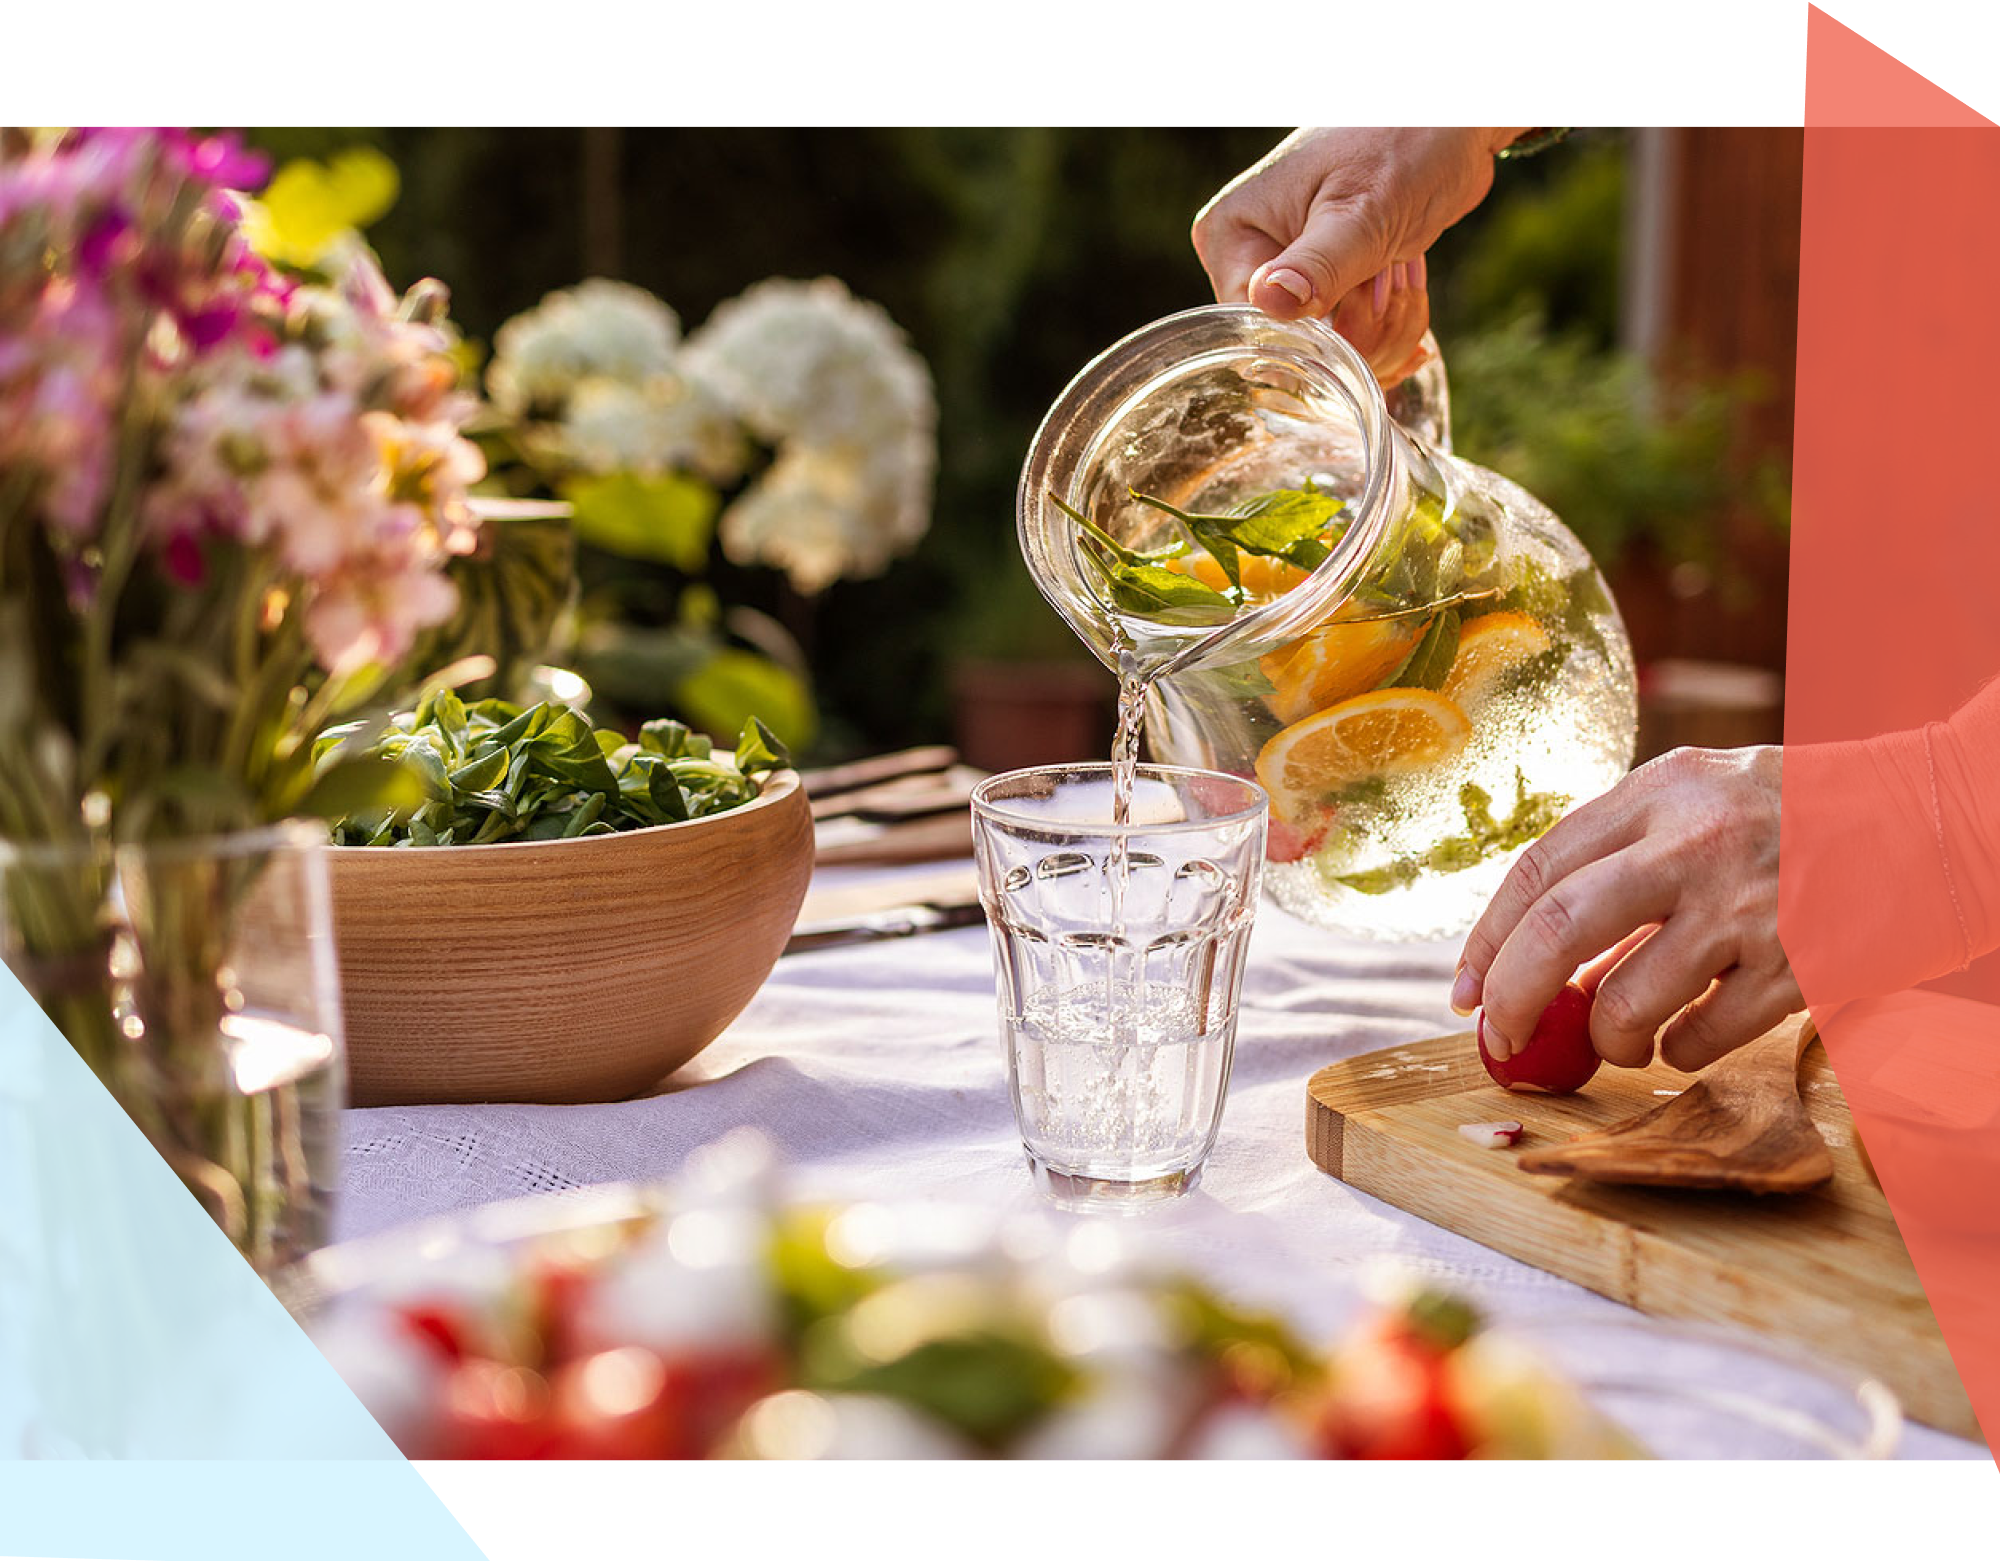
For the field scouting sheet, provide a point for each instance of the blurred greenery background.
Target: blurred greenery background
(1011, 257)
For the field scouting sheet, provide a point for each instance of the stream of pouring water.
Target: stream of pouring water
(1125, 969)
(1120, 972)
(1132, 685)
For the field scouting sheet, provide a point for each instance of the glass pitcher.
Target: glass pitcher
(1424, 684)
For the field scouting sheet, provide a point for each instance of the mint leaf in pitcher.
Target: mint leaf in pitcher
(1295, 526)
(1287, 523)
(1141, 583)
(1430, 662)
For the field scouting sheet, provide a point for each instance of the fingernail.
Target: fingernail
(1401, 279)
(1421, 272)
(1381, 293)
(1465, 992)
(1291, 282)
(1498, 1047)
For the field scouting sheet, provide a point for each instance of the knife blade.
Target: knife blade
(896, 921)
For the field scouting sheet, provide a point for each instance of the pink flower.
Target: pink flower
(100, 242)
(223, 161)
(59, 385)
(362, 284)
(318, 426)
(205, 328)
(356, 619)
(76, 491)
(182, 560)
(219, 160)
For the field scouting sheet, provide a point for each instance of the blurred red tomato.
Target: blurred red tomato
(493, 1410)
(1391, 1399)
(437, 1327)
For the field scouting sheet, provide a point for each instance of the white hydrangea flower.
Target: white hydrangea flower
(597, 329)
(667, 424)
(801, 516)
(832, 383)
(699, 431)
(610, 426)
(808, 360)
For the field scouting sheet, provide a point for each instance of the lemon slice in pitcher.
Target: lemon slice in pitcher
(1392, 731)
(1335, 662)
(1489, 648)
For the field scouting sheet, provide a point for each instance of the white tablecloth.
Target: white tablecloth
(878, 1071)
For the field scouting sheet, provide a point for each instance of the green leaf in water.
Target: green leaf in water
(1430, 661)
(1140, 583)
(1287, 523)
(1484, 838)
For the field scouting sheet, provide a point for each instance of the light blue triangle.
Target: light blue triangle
(131, 1330)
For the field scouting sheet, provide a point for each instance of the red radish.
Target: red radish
(1558, 1059)
(558, 1291)
(715, 1386)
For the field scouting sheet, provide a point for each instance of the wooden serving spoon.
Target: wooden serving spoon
(1739, 1125)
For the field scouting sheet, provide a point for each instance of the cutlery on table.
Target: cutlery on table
(900, 807)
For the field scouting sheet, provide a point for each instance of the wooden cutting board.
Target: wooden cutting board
(1824, 1270)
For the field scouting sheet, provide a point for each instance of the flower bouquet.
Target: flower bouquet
(229, 496)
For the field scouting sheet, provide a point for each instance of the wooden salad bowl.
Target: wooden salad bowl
(561, 971)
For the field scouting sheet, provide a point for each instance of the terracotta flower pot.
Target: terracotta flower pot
(1009, 715)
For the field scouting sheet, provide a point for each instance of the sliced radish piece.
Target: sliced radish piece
(1492, 1135)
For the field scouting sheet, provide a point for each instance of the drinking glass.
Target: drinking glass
(1118, 953)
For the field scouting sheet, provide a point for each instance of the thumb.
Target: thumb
(1335, 254)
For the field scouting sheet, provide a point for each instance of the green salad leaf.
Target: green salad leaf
(491, 771)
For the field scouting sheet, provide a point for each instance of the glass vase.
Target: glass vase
(197, 978)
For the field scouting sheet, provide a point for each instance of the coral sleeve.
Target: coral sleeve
(1890, 855)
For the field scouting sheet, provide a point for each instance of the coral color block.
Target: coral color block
(1851, 82)
(1890, 867)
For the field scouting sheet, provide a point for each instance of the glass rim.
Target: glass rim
(257, 840)
(985, 806)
